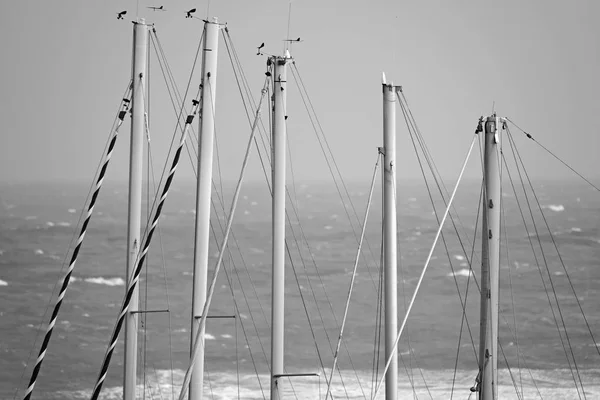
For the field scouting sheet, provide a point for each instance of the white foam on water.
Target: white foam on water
(461, 272)
(555, 207)
(108, 282)
(72, 210)
(3, 283)
(39, 252)
(459, 257)
(253, 203)
(327, 227)
(64, 224)
(50, 223)
(575, 229)
(551, 385)
(208, 336)
(30, 217)
(226, 336)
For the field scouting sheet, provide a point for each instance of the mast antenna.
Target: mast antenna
(287, 44)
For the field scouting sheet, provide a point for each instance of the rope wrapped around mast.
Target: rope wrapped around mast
(125, 103)
(142, 256)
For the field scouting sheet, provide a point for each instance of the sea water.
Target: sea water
(39, 222)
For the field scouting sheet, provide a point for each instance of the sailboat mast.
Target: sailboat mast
(203, 195)
(278, 141)
(140, 45)
(490, 262)
(390, 238)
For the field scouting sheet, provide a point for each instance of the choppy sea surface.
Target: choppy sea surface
(539, 357)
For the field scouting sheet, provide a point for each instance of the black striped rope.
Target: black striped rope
(141, 257)
(65, 285)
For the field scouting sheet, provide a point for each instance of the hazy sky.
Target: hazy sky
(65, 65)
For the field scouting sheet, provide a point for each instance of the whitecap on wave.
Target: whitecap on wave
(555, 207)
(108, 282)
(100, 281)
(72, 211)
(3, 283)
(461, 272)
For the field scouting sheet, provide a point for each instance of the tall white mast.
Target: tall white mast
(490, 260)
(389, 237)
(203, 194)
(278, 141)
(140, 45)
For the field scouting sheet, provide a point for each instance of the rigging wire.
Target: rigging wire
(238, 313)
(464, 307)
(221, 252)
(73, 236)
(150, 174)
(169, 74)
(556, 247)
(510, 281)
(411, 352)
(125, 103)
(426, 265)
(356, 260)
(333, 167)
(429, 161)
(411, 128)
(529, 136)
(287, 214)
(378, 322)
(517, 155)
(538, 263)
(141, 256)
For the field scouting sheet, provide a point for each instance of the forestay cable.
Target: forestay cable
(553, 155)
(142, 256)
(202, 322)
(437, 235)
(362, 235)
(65, 285)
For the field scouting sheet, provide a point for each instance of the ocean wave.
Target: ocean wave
(461, 272)
(550, 384)
(108, 282)
(100, 281)
(555, 207)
